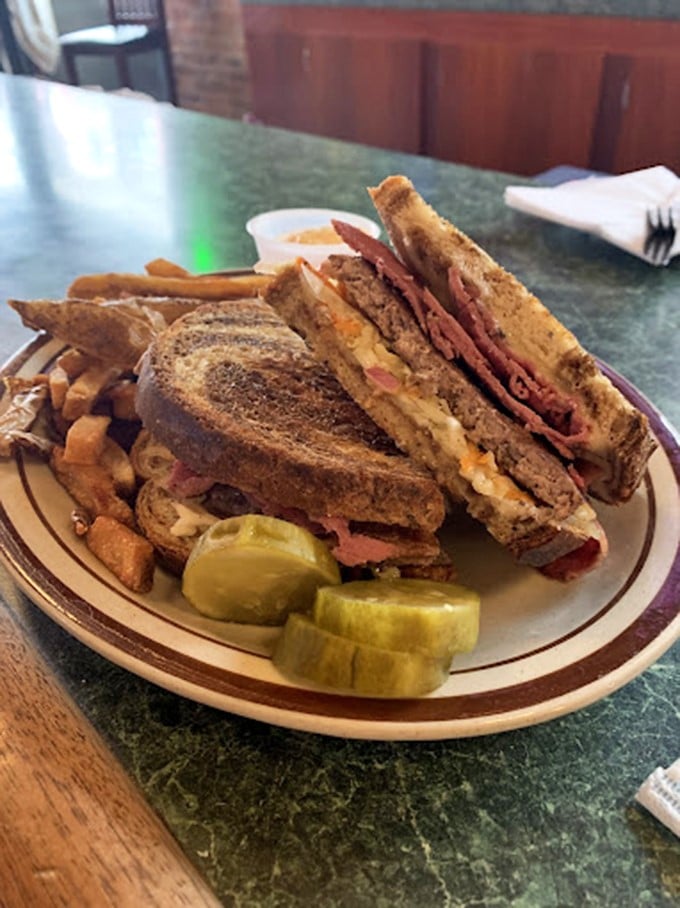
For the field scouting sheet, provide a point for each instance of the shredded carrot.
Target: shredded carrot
(504, 487)
(346, 325)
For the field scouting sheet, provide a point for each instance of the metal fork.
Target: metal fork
(661, 231)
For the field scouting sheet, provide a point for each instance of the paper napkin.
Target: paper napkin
(613, 208)
(660, 794)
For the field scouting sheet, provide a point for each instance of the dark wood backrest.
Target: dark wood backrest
(129, 12)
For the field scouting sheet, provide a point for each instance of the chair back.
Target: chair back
(136, 12)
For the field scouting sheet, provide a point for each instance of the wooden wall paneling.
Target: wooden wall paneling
(639, 116)
(510, 107)
(362, 89)
(276, 78)
(613, 90)
(514, 92)
(643, 35)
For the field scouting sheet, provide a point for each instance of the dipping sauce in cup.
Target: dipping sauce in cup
(289, 233)
(318, 236)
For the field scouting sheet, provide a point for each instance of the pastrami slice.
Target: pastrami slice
(467, 333)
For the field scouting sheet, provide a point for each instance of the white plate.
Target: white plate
(545, 648)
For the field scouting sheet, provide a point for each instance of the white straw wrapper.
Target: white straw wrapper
(660, 794)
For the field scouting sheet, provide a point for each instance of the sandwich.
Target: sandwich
(250, 418)
(473, 378)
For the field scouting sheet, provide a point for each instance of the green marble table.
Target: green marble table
(539, 817)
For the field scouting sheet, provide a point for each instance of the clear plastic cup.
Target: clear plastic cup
(270, 229)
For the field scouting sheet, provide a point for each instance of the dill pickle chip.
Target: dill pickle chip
(436, 619)
(254, 569)
(307, 652)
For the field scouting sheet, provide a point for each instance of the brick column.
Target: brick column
(209, 56)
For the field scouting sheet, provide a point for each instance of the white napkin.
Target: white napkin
(660, 794)
(613, 208)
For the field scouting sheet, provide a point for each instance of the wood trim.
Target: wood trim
(608, 32)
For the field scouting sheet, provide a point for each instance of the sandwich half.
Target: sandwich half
(372, 342)
(517, 430)
(240, 402)
(525, 359)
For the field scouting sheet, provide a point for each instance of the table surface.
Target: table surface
(542, 816)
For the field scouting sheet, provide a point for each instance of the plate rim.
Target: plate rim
(259, 699)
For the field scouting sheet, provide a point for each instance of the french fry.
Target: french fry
(122, 395)
(163, 268)
(73, 362)
(59, 384)
(85, 439)
(215, 287)
(83, 393)
(91, 487)
(127, 554)
(169, 307)
(117, 464)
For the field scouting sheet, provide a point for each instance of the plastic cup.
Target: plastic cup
(270, 229)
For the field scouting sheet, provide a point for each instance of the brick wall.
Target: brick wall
(209, 56)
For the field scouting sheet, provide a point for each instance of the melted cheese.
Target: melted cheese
(431, 414)
(192, 519)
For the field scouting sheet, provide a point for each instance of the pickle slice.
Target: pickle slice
(254, 569)
(308, 652)
(436, 619)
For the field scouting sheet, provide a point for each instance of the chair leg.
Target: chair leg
(169, 74)
(122, 67)
(70, 66)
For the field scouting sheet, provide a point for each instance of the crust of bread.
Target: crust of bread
(534, 533)
(236, 395)
(149, 458)
(156, 515)
(619, 442)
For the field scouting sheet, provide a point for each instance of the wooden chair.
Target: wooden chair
(134, 26)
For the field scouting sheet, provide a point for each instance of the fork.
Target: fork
(661, 232)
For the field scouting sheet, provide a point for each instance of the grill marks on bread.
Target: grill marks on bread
(266, 371)
(236, 395)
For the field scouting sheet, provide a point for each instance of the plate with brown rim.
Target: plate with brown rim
(545, 648)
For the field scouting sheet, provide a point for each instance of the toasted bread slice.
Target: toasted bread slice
(618, 442)
(114, 332)
(156, 514)
(237, 396)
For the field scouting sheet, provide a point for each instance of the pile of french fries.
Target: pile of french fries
(81, 415)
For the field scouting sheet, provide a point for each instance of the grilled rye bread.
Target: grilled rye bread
(156, 516)
(371, 340)
(610, 440)
(237, 397)
(173, 525)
